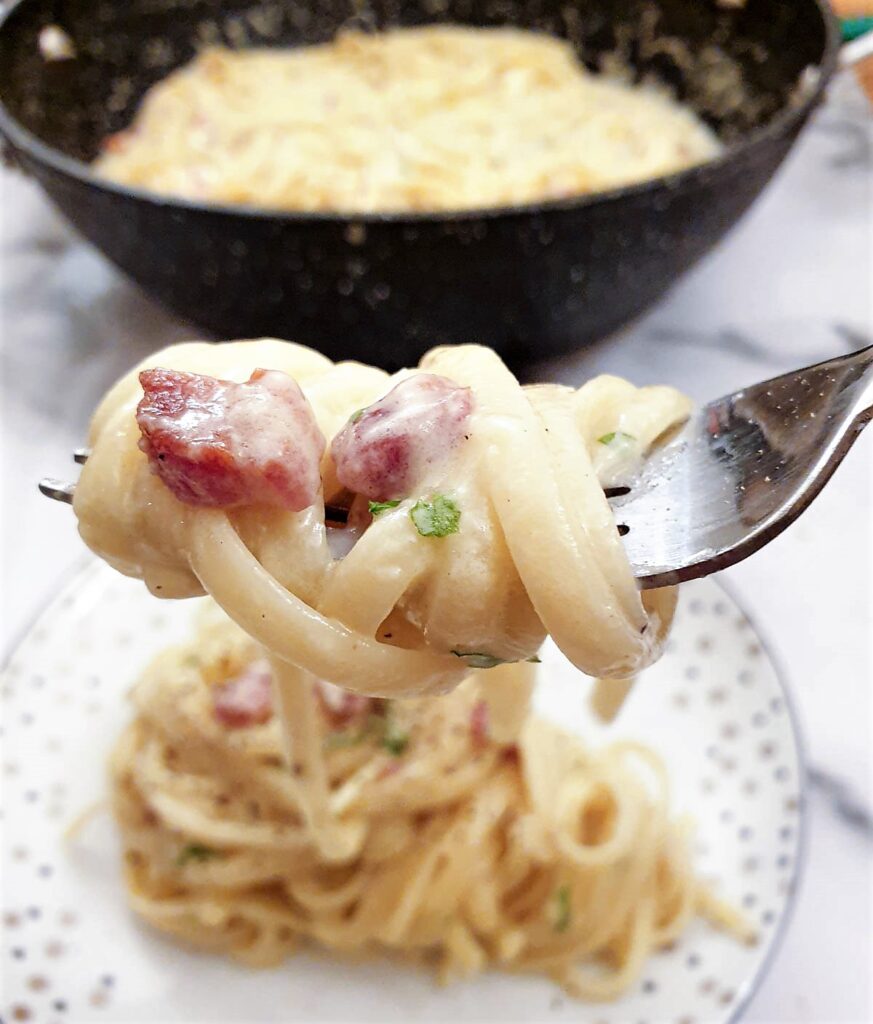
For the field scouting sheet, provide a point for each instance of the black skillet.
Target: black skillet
(531, 281)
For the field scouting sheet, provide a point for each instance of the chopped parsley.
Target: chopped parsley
(356, 415)
(616, 435)
(395, 740)
(476, 659)
(373, 727)
(378, 507)
(381, 729)
(196, 852)
(437, 517)
(563, 911)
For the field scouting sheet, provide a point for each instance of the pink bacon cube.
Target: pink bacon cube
(480, 720)
(388, 449)
(246, 700)
(341, 707)
(217, 444)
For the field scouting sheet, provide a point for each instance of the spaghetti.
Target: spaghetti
(471, 834)
(434, 118)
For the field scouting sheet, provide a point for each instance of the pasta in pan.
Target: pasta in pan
(438, 117)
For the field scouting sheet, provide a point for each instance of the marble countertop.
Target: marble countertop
(793, 284)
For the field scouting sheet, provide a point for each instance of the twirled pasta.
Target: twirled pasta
(537, 550)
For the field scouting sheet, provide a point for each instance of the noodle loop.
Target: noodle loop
(531, 545)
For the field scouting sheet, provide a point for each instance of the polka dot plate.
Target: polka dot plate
(72, 952)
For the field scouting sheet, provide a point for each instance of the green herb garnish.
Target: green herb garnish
(356, 415)
(196, 852)
(437, 517)
(372, 728)
(381, 729)
(563, 911)
(394, 739)
(476, 659)
(616, 435)
(378, 507)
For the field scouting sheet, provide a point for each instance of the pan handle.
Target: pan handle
(8, 156)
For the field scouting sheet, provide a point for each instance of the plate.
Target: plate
(713, 707)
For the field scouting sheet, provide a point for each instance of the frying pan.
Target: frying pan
(531, 280)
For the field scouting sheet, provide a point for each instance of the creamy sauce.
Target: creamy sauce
(436, 118)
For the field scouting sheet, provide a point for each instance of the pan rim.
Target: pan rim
(13, 133)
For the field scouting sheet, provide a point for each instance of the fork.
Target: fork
(735, 475)
(742, 469)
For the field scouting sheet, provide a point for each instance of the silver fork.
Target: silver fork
(742, 469)
(734, 476)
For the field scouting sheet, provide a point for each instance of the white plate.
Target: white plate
(72, 952)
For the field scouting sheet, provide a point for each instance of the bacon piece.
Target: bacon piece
(246, 700)
(392, 768)
(117, 142)
(387, 450)
(479, 723)
(217, 444)
(341, 706)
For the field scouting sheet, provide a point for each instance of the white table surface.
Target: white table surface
(792, 285)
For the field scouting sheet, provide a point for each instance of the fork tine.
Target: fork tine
(57, 489)
(80, 455)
